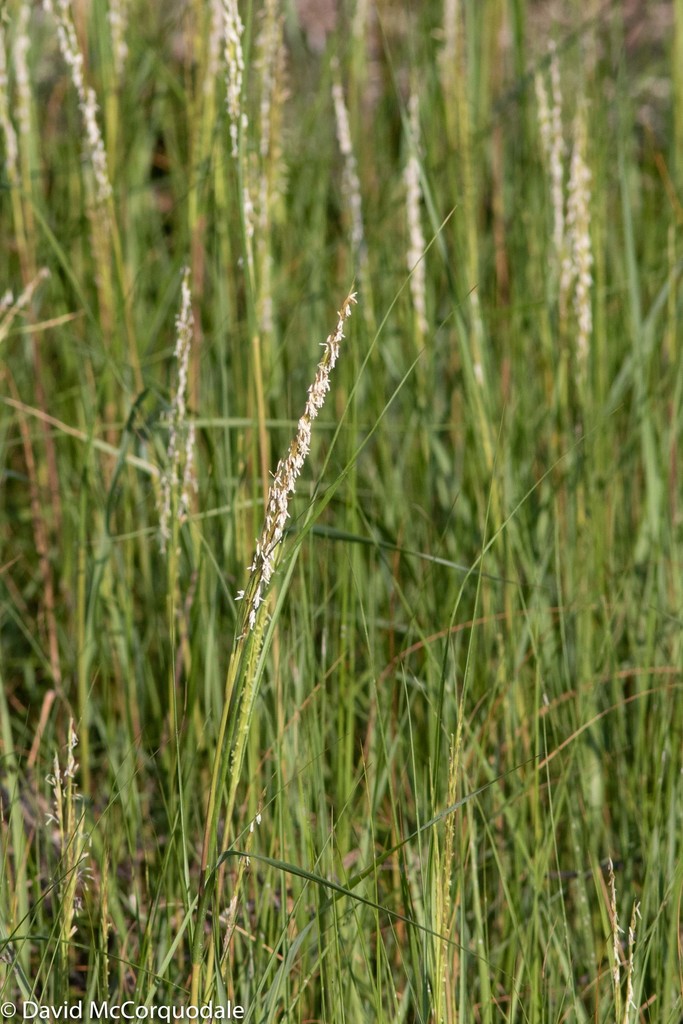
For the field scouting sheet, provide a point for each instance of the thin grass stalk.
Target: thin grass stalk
(243, 676)
(204, 115)
(261, 179)
(416, 241)
(352, 196)
(15, 857)
(457, 101)
(677, 100)
(25, 124)
(11, 162)
(443, 981)
(457, 98)
(10, 308)
(234, 59)
(270, 62)
(105, 924)
(106, 241)
(623, 1004)
(83, 655)
(479, 924)
(616, 945)
(68, 817)
(577, 264)
(178, 485)
(629, 1003)
(552, 140)
(41, 536)
(117, 18)
(20, 179)
(351, 191)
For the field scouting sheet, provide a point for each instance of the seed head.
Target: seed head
(178, 478)
(87, 101)
(288, 471)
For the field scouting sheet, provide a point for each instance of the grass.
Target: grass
(460, 702)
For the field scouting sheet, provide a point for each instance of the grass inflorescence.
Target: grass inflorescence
(389, 729)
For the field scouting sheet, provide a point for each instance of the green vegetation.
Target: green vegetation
(458, 702)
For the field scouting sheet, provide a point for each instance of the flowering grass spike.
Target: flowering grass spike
(179, 478)
(288, 470)
(87, 101)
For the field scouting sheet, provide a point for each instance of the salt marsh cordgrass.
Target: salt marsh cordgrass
(24, 121)
(445, 957)
(284, 483)
(18, 167)
(622, 969)
(350, 182)
(11, 307)
(245, 669)
(67, 815)
(571, 296)
(98, 183)
(552, 139)
(8, 130)
(256, 168)
(270, 62)
(264, 178)
(87, 101)
(459, 106)
(557, 665)
(117, 16)
(106, 246)
(677, 65)
(416, 256)
(42, 527)
(233, 55)
(352, 201)
(205, 35)
(178, 480)
(577, 261)
(416, 240)
(572, 252)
